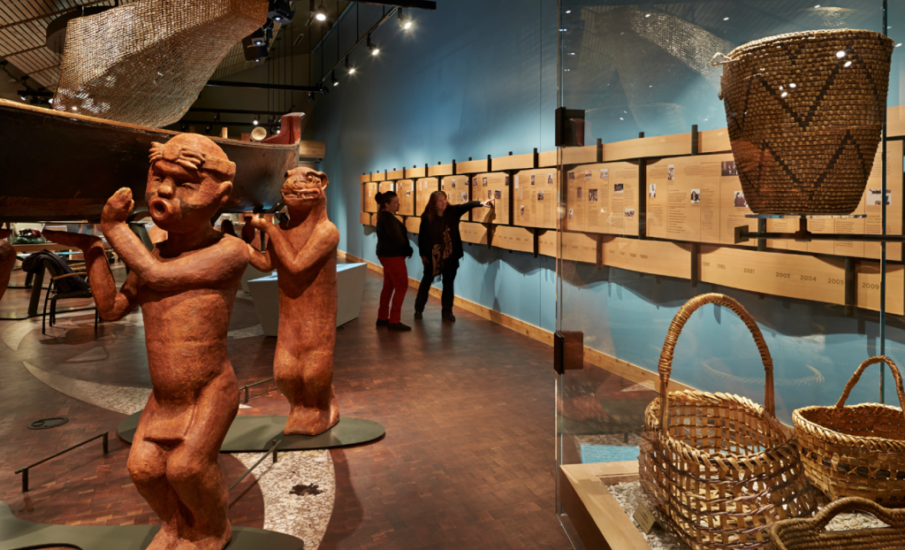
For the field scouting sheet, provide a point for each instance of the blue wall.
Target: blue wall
(478, 78)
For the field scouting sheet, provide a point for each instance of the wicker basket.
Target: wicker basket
(810, 533)
(720, 468)
(805, 113)
(856, 451)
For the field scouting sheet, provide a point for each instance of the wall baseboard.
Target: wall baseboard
(627, 370)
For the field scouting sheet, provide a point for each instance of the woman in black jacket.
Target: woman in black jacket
(440, 246)
(392, 249)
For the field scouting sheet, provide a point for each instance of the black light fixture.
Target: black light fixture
(350, 69)
(217, 118)
(320, 13)
(281, 11)
(373, 47)
(311, 97)
(405, 22)
(333, 79)
(255, 121)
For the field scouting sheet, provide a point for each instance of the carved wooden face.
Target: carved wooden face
(182, 199)
(304, 187)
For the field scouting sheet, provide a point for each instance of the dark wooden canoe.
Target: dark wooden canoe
(61, 166)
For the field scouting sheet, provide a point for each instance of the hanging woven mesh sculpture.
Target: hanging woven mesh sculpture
(145, 63)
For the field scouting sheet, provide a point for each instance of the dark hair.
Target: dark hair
(383, 199)
(430, 211)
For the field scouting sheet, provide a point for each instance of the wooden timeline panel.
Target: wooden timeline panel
(648, 147)
(895, 121)
(370, 196)
(714, 141)
(580, 155)
(870, 205)
(365, 178)
(775, 273)
(386, 186)
(697, 199)
(474, 233)
(440, 170)
(576, 247)
(413, 225)
(456, 189)
(534, 198)
(604, 198)
(405, 190)
(547, 159)
(365, 218)
(395, 174)
(400, 218)
(472, 166)
(867, 287)
(415, 173)
(492, 185)
(423, 189)
(513, 162)
(647, 256)
(378, 176)
(513, 238)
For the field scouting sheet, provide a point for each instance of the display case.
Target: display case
(698, 153)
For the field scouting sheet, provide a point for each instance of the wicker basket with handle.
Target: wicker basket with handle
(811, 533)
(805, 113)
(720, 468)
(855, 451)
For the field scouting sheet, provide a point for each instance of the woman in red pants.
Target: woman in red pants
(392, 249)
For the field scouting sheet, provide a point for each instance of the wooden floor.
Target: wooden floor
(467, 462)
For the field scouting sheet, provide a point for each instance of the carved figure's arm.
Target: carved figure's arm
(111, 305)
(321, 244)
(262, 261)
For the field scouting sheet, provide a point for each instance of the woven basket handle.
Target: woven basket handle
(894, 518)
(724, 59)
(675, 329)
(857, 376)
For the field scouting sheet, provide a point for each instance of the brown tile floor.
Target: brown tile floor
(467, 461)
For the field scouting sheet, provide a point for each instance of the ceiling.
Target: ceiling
(32, 66)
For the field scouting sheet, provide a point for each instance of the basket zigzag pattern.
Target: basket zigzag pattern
(805, 113)
(720, 468)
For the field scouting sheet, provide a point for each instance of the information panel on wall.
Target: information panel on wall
(603, 198)
(423, 189)
(386, 186)
(491, 186)
(405, 190)
(368, 197)
(697, 198)
(534, 198)
(456, 189)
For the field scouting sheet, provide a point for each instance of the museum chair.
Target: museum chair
(65, 284)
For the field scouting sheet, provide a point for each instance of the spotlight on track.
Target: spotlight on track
(349, 68)
(255, 122)
(320, 13)
(281, 11)
(373, 47)
(311, 97)
(405, 22)
(333, 79)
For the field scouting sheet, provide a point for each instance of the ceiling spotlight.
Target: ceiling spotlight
(281, 11)
(255, 121)
(333, 79)
(320, 14)
(373, 47)
(23, 98)
(404, 22)
(350, 69)
(50, 101)
(311, 97)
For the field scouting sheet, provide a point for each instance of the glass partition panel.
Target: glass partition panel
(680, 148)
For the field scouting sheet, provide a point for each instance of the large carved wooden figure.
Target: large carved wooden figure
(303, 251)
(186, 289)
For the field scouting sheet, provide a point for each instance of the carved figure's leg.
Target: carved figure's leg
(147, 467)
(194, 472)
(307, 382)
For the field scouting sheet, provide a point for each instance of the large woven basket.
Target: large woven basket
(805, 113)
(855, 451)
(811, 533)
(720, 468)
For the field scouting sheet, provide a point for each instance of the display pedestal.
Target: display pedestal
(597, 517)
(19, 534)
(250, 434)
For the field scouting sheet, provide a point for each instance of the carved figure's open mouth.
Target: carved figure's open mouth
(159, 208)
(302, 194)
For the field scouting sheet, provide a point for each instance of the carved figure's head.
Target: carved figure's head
(189, 180)
(304, 188)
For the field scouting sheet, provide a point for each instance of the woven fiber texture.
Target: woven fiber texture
(805, 113)
(855, 451)
(720, 468)
(146, 62)
(810, 533)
